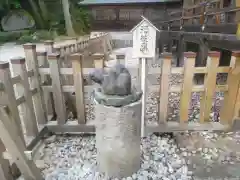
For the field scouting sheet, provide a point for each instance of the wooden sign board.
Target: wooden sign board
(144, 39)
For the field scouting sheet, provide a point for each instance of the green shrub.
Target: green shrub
(44, 35)
(27, 39)
(9, 36)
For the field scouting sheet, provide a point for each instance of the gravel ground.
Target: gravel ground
(215, 155)
(74, 157)
(184, 156)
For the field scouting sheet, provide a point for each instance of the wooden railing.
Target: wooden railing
(205, 13)
(24, 103)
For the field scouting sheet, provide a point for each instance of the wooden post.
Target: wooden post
(49, 46)
(180, 50)
(120, 58)
(75, 45)
(16, 147)
(68, 50)
(79, 86)
(231, 96)
(144, 73)
(209, 86)
(30, 118)
(42, 59)
(78, 44)
(104, 48)
(237, 18)
(49, 97)
(57, 50)
(5, 77)
(72, 48)
(202, 53)
(109, 47)
(45, 79)
(187, 85)
(35, 82)
(62, 52)
(59, 101)
(5, 173)
(98, 60)
(164, 87)
(65, 54)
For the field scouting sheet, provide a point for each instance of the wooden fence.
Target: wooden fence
(25, 106)
(207, 16)
(25, 114)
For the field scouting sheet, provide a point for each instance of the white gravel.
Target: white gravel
(73, 158)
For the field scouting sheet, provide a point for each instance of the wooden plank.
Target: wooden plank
(30, 73)
(42, 131)
(210, 86)
(10, 96)
(20, 100)
(164, 87)
(70, 127)
(237, 106)
(16, 79)
(59, 101)
(78, 84)
(35, 82)
(1, 86)
(16, 148)
(187, 85)
(231, 96)
(191, 126)
(89, 89)
(174, 70)
(5, 173)
(27, 107)
(98, 60)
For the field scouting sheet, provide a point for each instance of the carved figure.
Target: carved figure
(116, 88)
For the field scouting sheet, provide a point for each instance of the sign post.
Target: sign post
(144, 44)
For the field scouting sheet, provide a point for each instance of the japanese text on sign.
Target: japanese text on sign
(144, 34)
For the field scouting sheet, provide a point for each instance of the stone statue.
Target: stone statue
(117, 122)
(116, 88)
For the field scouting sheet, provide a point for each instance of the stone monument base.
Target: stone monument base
(118, 137)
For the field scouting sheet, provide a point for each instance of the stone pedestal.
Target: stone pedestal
(118, 136)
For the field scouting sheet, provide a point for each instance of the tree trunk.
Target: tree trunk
(36, 13)
(67, 17)
(43, 9)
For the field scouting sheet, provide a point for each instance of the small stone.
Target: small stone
(205, 150)
(188, 161)
(185, 154)
(208, 169)
(134, 176)
(51, 139)
(40, 164)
